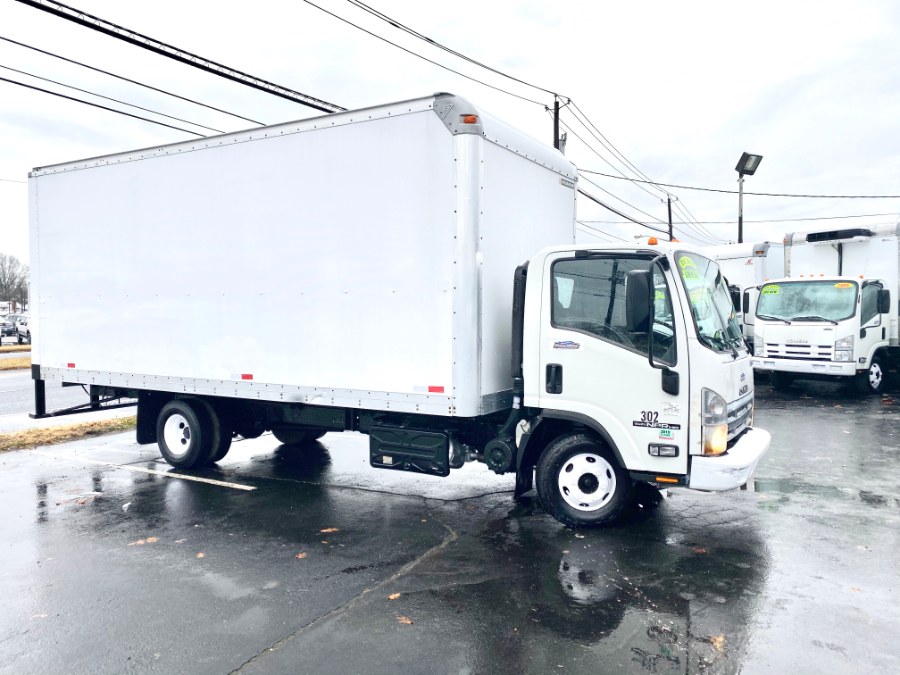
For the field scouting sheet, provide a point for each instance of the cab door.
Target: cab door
(594, 369)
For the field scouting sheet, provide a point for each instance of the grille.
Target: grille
(777, 350)
(739, 415)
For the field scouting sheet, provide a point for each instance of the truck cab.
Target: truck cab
(824, 327)
(635, 370)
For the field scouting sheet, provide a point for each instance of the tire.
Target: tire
(297, 436)
(781, 381)
(222, 434)
(185, 433)
(871, 380)
(580, 482)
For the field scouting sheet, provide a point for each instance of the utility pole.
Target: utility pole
(556, 122)
(670, 216)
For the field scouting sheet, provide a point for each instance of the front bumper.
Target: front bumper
(734, 468)
(842, 369)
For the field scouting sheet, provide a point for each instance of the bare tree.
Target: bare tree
(13, 281)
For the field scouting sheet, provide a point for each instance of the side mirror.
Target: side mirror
(735, 297)
(884, 301)
(638, 302)
(745, 303)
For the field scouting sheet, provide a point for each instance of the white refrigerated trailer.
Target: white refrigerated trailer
(836, 314)
(388, 271)
(746, 268)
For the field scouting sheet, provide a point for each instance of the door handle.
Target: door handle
(554, 378)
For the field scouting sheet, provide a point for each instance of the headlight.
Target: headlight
(843, 355)
(715, 423)
(757, 345)
(844, 343)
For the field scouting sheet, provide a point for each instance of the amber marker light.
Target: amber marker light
(470, 119)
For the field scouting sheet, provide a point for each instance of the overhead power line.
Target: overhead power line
(96, 23)
(108, 98)
(97, 105)
(734, 192)
(771, 220)
(418, 56)
(126, 79)
(619, 213)
(406, 29)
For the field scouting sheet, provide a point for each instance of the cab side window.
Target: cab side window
(869, 303)
(589, 297)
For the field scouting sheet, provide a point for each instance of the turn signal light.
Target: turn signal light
(470, 119)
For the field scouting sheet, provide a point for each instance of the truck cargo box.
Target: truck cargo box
(360, 259)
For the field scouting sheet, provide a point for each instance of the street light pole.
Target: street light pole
(746, 166)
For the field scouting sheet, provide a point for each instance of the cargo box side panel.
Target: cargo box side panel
(526, 207)
(318, 259)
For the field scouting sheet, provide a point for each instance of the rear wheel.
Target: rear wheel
(222, 433)
(185, 433)
(580, 482)
(871, 381)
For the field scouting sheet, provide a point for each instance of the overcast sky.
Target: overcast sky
(680, 89)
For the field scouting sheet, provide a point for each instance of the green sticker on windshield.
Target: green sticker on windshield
(771, 290)
(660, 295)
(684, 262)
(690, 275)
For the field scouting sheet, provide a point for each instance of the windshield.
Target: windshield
(807, 301)
(711, 306)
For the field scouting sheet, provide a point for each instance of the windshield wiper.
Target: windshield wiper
(814, 318)
(766, 317)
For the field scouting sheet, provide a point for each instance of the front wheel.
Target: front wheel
(871, 381)
(580, 482)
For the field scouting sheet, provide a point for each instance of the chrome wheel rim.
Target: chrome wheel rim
(875, 376)
(587, 482)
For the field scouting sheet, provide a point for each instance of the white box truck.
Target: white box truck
(832, 316)
(389, 271)
(746, 268)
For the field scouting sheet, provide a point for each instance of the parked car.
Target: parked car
(7, 327)
(23, 332)
(14, 320)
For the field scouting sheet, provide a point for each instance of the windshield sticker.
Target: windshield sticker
(843, 284)
(684, 262)
(566, 344)
(771, 290)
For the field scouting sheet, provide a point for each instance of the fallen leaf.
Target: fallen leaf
(152, 540)
(405, 620)
(139, 542)
(393, 596)
(698, 549)
(324, 541)
(328, 530)
(300, 556)
(718, 642)
(201, 554)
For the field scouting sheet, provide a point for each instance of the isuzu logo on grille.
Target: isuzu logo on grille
(797, 341)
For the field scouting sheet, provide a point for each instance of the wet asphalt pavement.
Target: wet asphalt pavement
(109, 564)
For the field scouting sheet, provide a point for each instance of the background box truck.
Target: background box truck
(836, 314)
(411, 274)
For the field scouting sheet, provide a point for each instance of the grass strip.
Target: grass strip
(15, 348)
(32, 438)
(15, 363)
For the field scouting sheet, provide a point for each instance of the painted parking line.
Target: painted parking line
(139, 469)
